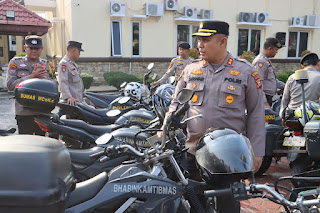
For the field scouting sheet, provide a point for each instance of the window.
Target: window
(135, 38)
(298, 42)
(249, 39)
(1, 51)
(184, 34)
(116, 49)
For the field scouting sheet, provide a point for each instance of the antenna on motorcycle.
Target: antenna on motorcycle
(301, 77)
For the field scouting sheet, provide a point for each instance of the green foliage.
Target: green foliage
(22, 54)
(283, 76)
(194, 53)
(117, 78)
(87, 80)
(248, 55)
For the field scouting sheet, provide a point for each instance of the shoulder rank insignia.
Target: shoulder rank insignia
(260, 64)
(256, 77)
(234, 72)
(197, 72)
(230, 61)
(204, 63)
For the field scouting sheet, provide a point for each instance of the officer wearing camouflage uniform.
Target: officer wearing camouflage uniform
(225, 88)
(70, 82)
(177, 64)
(265, 69)
(292, 94)
(28, 67)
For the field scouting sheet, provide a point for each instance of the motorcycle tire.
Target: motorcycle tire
(299, 166)
(265, 164)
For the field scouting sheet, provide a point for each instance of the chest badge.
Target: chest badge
(234, 72)
(231, 87)
(229, 99)
(179, 62)
(260, 65)
(197, 72)
(230, 61)
(194, 85)
(23, 74)
(22, 65)
(194, 98)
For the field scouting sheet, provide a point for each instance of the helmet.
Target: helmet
(162, 99)
(224, 153)
(134, 90)
(299, 112)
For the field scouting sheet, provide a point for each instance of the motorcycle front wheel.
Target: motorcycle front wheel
(300, 165)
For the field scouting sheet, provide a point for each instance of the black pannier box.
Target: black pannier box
(36, 174)
(274, 133)
(38, 94)
(312, 133)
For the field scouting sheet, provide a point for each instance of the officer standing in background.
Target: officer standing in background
(70, 82)
(264, 67)
(177, 64)
(28, 67)
(225, 87)
(292, 94)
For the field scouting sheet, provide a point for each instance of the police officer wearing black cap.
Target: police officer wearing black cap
(23, 68)
(177, 64)
(70, 83)
(225, 89)
(292, 94)
(265, 69)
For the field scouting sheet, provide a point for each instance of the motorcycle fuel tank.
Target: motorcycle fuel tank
(142, 116)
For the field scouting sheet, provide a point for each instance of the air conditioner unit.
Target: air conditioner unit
(246, 17)
(261, 18)
(298, 21)
(206, 14)
(171, 4)
(312, 20)
(191, 12)
(117, 8)
(154, 9)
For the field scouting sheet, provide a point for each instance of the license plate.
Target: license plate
(294, 141)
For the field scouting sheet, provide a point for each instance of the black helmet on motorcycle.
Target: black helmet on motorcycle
(224, 152)
(162, 99)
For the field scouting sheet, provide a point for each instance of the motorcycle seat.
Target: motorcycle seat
(87, 189)
(100, 112)
(92, 129)
(103, 96)
(83, 155)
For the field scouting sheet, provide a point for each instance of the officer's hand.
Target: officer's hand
(283, 122)
(257, 163)
(266, 105)
(38, 71)
(156, 83)
(72, 101)
(159, 134)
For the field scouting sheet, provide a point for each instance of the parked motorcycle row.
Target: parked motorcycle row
(109, 159)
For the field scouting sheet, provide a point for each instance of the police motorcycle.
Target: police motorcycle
(48, 184)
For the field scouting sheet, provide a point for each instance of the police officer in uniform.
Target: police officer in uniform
(225, 87)
(292, 94)
(70, 82)
(266, 72)
(177, 64)
(28, 67)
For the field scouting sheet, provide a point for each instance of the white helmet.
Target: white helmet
(134, 90)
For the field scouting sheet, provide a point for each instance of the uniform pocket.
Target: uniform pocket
(271, 74)
(230, 95)
(75, 76)
(197, 99)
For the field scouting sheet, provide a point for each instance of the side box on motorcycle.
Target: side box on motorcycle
(312, 133)
(37, 94)
(36, 174)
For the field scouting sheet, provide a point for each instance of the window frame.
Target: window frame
(112, 41)
(190, 35)
(249, 38)
(298, 42)
(139, 22)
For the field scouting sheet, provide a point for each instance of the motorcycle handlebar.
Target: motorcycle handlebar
(182, 110)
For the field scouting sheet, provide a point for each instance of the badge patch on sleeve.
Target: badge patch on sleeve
(256, 77)
(12, 66)
(63, 67)
(197, 72)
(234, 72)
(12, 72)
(194, 98)
(229, 99)
(260, 64)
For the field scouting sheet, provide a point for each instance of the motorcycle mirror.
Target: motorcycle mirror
(113, 113)
(155, 75)
(150, 66)
(301, 76)
(123, 100)
(185, 95)
(123, 84)
(104, 139)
